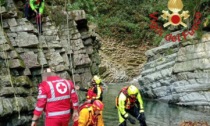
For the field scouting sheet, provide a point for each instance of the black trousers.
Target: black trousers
(29, 13)
(134, 111)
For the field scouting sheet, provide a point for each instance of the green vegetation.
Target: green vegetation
(129, 21)
(2, 2)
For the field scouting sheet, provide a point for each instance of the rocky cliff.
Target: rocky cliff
(70, 49)
(120, 62)
(179, 72)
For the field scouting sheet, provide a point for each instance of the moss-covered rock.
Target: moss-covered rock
(102, 69)
(5, 81)
(22, 81)
(7, 107)
(16, 63)
(30, 100)
(20, 104)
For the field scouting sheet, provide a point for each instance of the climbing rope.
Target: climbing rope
(39, 28)
(8, 69)
(71, 59)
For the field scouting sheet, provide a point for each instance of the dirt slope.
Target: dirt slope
(119, 62)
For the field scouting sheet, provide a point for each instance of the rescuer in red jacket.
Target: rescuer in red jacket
(56, 97)
(95, 91)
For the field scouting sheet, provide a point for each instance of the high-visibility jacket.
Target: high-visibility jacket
(87, 117)
(95, 92)
(37, 4)
(123, 101)
(56, 97)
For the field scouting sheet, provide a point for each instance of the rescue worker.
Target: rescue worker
(129, 101)
(56, 97)
(91, 114)
(95, 90)
(35, 7)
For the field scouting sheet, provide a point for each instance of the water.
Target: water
(157, 113)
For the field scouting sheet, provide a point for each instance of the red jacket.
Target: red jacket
(56, 97)
(95, 92)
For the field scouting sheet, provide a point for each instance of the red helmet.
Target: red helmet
(98, 105)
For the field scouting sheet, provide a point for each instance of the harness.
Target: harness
(129, 102)
(93, 91)
(94, 120)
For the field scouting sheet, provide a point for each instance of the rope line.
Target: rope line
(71, 59)
(8, 69)
(39, 28)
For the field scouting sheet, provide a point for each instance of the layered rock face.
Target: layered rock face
(120, 63)
(68, 49)
(179, 73)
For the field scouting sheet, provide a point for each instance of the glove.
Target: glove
(141, 117)
(132, 121)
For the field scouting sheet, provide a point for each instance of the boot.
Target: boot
(143, 123)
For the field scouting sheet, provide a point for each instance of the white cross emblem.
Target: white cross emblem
(61, 87)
